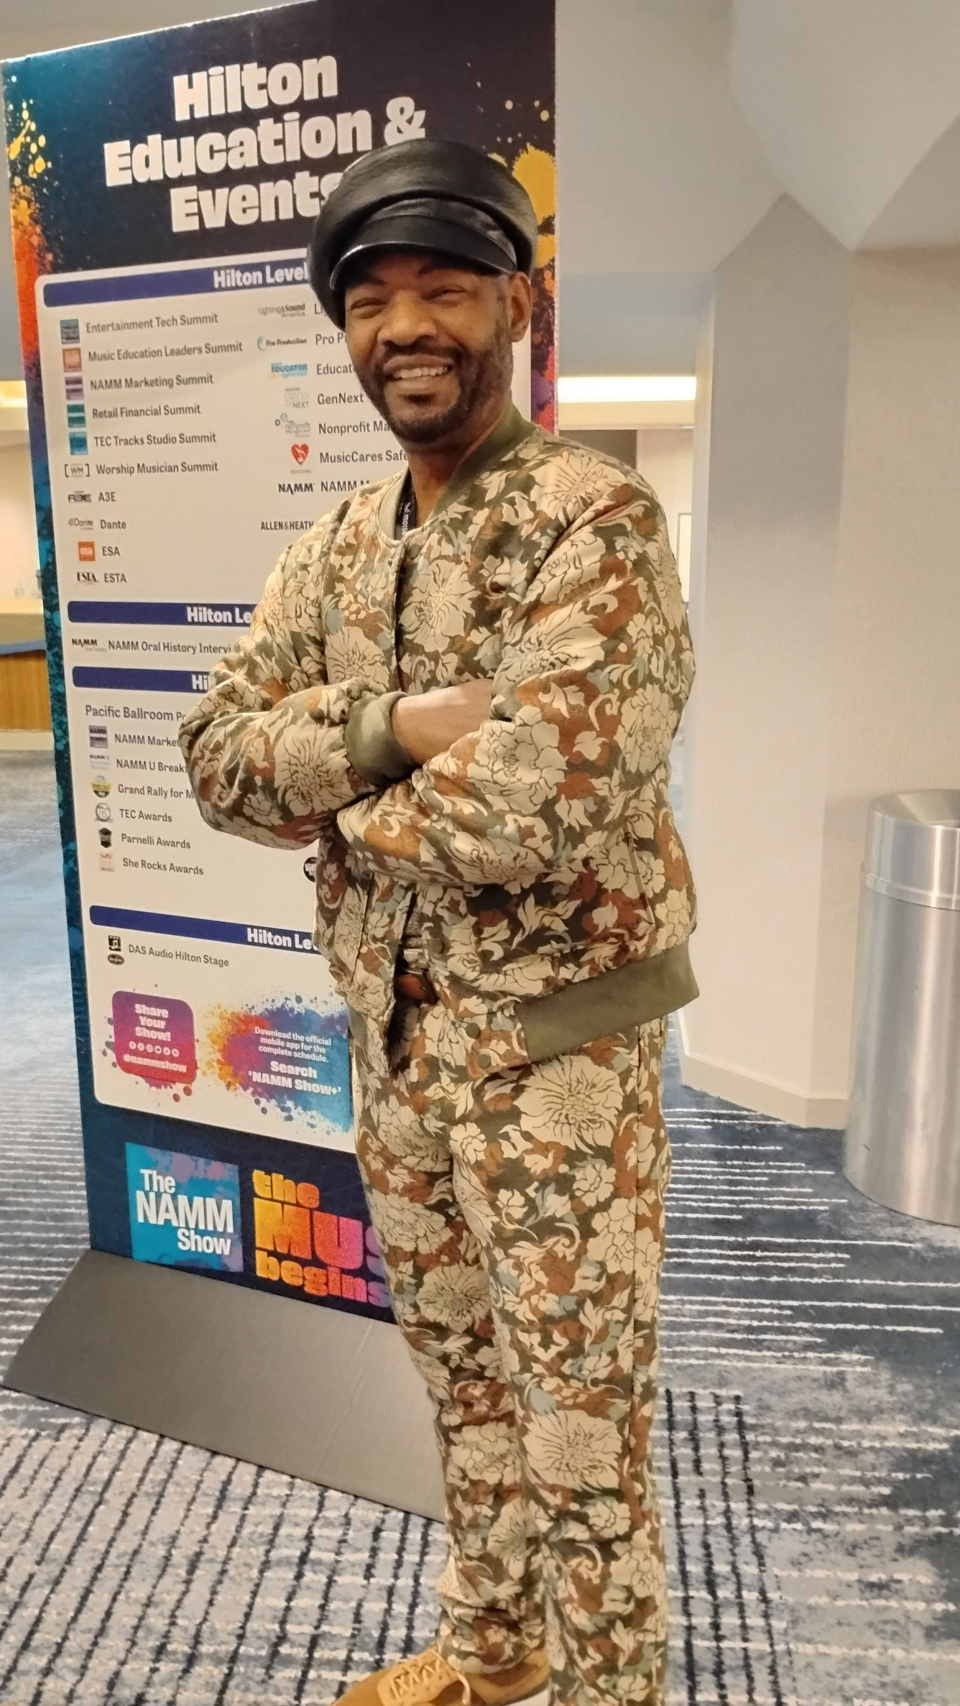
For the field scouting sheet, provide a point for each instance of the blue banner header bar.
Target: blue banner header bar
(162, 615)
(187, 281)
(143, 680)
(203, 929)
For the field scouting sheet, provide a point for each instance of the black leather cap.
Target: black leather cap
(422, 194)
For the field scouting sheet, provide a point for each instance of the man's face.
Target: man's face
(430, 341)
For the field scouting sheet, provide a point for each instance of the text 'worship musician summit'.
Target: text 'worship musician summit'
(463, 684)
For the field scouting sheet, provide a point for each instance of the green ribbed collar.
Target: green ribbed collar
(510, 430)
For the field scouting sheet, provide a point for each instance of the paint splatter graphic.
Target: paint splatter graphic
(288, 1057)
(32, 257)
(536, 171)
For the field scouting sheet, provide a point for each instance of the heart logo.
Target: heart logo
(300, 452)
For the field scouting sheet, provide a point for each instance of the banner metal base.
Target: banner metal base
(330, 1397)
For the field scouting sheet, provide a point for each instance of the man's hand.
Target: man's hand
(426, 724)
(274, 689)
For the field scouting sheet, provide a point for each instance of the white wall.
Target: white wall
(847, 98)
(659, 172)
(665, 458)
(764, 570)
(659, 177)
(18, 534)
(826, 612)
(895, 656)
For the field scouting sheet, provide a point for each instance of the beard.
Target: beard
(481, 374)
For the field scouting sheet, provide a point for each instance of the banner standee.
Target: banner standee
(193, 412)
(327, 1397)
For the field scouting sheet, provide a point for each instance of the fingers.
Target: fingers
(426, 724)
(275, 690)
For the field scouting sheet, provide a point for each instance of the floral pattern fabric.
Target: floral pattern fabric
(537, 852)
(520, 1217)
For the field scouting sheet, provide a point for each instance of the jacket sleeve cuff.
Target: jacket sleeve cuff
(372, 747)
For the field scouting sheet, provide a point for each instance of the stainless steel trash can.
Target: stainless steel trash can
(903, 1138)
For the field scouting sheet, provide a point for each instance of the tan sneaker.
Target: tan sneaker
(428, 1680)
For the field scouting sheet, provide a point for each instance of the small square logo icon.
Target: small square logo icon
(184, 1210)
(154, 1038)
(86, 550)
(72, 360)
(78, 444)
(69, 331)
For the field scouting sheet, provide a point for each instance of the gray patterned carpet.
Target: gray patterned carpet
(808, 1441)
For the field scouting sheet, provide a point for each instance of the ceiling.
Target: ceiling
(680, 123)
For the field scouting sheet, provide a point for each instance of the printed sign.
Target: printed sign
(193, 412)
(184, 1210)
(298, 1245)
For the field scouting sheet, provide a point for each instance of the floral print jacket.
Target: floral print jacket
(535, 864)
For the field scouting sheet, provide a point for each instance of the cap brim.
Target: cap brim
(421, 231)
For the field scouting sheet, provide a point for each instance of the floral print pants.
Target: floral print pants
(520, 1218)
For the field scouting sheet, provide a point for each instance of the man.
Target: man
(463, 683)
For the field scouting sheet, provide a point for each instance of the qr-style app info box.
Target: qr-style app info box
(184, 1210)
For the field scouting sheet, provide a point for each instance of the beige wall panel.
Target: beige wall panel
(24, 691)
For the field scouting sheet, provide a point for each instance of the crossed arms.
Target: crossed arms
(512, 776)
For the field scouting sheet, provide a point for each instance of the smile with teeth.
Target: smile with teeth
(421, 372)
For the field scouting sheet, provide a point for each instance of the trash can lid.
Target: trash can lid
(913, 847)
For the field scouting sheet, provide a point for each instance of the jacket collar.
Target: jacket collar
(510, 430)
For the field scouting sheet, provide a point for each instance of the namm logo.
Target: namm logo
(184, 1210)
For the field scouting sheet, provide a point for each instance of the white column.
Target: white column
(768, 456)
(895, 656)
(825, 601)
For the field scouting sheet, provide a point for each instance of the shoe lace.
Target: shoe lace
(419, 1680)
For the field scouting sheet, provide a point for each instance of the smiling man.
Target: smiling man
(463, 684)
